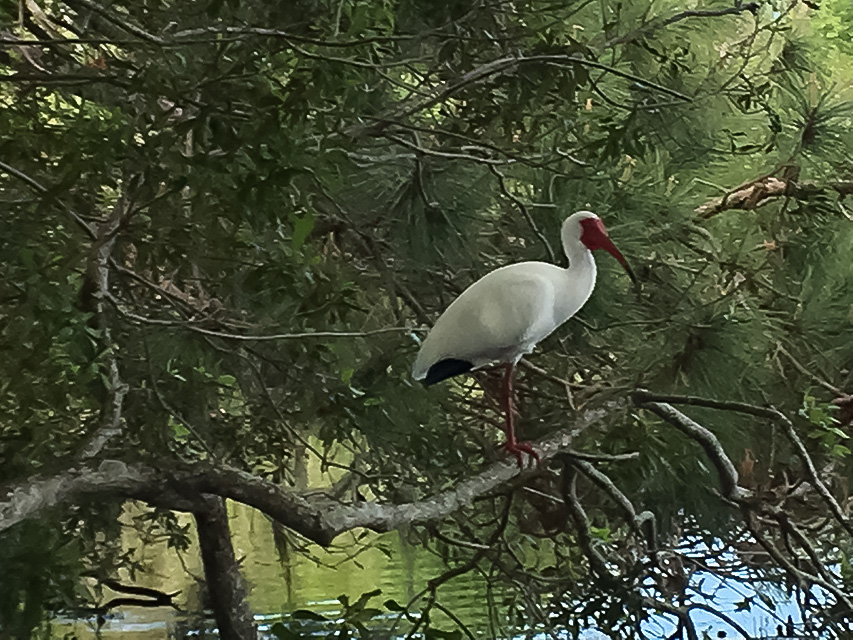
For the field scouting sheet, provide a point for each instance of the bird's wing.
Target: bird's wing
(498, 318)
(518, 309)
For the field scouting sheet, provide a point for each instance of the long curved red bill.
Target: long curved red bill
(594, 236)
(608, 246)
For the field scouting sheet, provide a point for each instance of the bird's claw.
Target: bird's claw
(518, 449)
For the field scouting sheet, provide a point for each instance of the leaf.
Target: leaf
(178, 429)
(744, 605)
(226, 380)
(305, 614)
(365, 597)
(600, 532)
(840, 450)
(301, 228)
(393, 605)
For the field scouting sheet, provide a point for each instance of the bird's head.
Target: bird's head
(588, 229)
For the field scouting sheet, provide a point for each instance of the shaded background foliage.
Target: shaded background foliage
(352, 166)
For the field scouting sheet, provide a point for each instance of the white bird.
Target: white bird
(503, 315)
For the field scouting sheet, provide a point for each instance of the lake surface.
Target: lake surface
(281, 584)
(283, 579)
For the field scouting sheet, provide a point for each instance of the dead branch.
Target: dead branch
(603, 482)
(745, 197)
(750, 195)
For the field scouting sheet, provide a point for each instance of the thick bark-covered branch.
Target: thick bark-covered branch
(318, 518)
(225, 585)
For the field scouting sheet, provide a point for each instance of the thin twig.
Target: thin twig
(89, 229)
(524, 212)
(301, 336)
(799, 367)
(690, 13)
(568, 486)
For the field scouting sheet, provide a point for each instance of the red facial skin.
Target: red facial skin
(594, 236)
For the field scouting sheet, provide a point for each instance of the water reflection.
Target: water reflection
(281, 579)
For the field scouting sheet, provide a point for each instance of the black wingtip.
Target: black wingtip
(444, 369)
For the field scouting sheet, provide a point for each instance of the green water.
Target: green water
(281, 582)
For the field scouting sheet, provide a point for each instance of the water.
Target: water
(282, 580)
(280, 584)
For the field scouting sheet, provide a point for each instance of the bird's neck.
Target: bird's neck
(579, 282)
(581, 263)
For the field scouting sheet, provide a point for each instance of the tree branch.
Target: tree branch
(316, 517)
(298, 336)
(780, 559)
(713, 449)
(225, 585)
(682, 613)
(94, 293)
(570, 498)
(116, 20)
(497, 67)
(750, 195)
(35, 184)
(524, 212)
(603, 482)
(729, 478)
(643, 396)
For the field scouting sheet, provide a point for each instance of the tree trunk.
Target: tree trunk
(225, 586)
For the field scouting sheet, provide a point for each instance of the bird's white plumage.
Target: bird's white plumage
(504, 314)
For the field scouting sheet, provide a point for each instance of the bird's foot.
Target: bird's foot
(518, 449)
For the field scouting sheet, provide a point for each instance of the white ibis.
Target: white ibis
(503, 315)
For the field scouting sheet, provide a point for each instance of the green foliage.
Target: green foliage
(825, 427)
(354, 619)
(354, 169)
(40, 580)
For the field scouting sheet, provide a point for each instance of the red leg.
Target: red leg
(511, 445)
